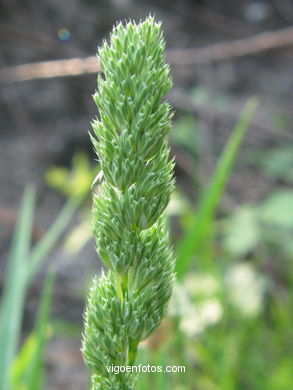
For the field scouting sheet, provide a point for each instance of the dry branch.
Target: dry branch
(237, 48)
(50, 69)
(178, 57)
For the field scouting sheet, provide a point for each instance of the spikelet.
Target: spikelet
(128, 303)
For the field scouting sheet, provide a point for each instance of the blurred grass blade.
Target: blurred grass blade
(211, 197)
(46, 244)
(14, 288)
(22, 361)
(27, 369)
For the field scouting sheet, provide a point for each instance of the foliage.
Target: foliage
(251, 226)
(28, 368)
(128, 303)
(230, 318)
(278, 163)
(14, 290)
(22, 266)
(211, 197)
(72, 182)
(75, 182)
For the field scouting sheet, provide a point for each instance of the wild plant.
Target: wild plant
(127, 303)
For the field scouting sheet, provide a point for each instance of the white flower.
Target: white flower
(205, 311)
(245, 288)
(201, 316)
(210, 311)
(201, 284)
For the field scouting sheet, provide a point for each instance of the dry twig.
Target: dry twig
(178, 57)
(237, 48)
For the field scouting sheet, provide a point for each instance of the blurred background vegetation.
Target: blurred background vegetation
(230, 320)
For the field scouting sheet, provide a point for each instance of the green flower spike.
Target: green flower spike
(127, 303)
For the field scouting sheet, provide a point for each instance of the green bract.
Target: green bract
(128, 303)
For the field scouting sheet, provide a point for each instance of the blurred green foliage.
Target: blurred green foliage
(230, 321)
(277, 163)
(202, 220)
(23, 369)
(72, 182)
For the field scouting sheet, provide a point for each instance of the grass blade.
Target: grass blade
(27, 370)
(34, 377)
(22, 361)
(211, 197)
(14, 288)
(46, 244)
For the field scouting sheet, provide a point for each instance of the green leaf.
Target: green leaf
(20, 272)
(77, 238)
(14, 289)
(242, 232)
(27, 370)
(282, 376)
(278, 163)
(35, 369)
(42, 249)
(201, 222)
(22, 361)
(277, 209)
(75, 181)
